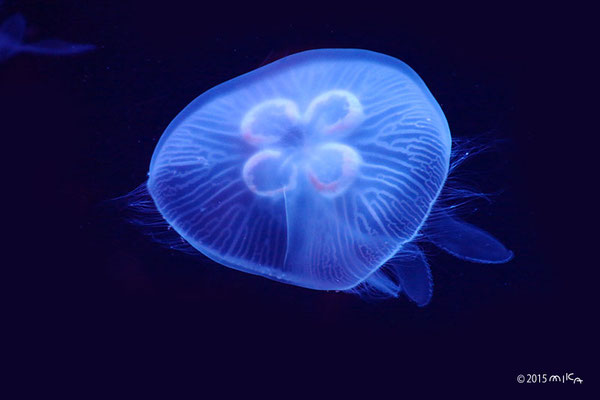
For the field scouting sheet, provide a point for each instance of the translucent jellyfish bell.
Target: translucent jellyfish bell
(315, 170)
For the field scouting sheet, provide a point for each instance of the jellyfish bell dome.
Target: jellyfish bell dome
(313, 170)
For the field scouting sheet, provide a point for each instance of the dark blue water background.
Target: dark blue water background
(102, 296)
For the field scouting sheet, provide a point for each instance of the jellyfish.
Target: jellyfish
(12, 32)
(319, 170)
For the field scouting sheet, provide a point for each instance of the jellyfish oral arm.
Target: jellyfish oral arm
(465, 241)
(407, 272)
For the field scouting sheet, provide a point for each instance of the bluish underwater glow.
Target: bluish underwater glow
(316, 170)
(12, 33)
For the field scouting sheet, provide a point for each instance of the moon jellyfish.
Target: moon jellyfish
(319, 170)
(12, 32)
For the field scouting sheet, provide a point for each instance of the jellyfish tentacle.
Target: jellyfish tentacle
(379, 285)
(464, 240)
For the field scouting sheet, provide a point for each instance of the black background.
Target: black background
(102, 304)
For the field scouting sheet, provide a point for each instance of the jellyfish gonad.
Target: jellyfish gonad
(319, 170)
(12, 33)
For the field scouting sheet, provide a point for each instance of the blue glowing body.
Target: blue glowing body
(315, 170)
(12, 33)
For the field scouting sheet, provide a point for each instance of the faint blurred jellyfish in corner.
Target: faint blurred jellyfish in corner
(12, 33)
(323, 170)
